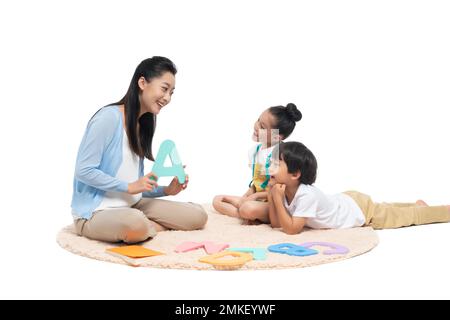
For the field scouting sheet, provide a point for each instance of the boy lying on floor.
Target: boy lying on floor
(295, 203)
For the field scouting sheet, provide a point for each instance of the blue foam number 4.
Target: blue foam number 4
(168, 148)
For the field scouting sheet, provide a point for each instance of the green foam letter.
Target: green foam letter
(168, 148)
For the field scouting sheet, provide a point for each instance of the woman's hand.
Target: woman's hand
(146, 183)
(175, 187)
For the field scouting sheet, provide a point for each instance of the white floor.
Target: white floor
(408, 263)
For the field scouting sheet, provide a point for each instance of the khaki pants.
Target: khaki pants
(132, 225)
(396, 215)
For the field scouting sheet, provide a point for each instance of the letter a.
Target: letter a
(168, 148)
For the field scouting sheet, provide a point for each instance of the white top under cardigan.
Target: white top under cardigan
(129, 172)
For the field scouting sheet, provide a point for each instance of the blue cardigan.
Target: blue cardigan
(98, 160)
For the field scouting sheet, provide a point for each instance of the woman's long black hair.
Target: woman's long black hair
(141, 140)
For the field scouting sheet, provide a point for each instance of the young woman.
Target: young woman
(112, 198)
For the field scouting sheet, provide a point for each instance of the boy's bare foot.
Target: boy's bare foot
(421, 203)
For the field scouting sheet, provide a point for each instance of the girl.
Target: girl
(273, 125)
(110, 190)
(295, 203)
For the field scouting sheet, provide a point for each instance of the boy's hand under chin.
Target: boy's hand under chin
(278, 191)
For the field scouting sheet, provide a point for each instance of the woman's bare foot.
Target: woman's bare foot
(157, 226)
(421, 203)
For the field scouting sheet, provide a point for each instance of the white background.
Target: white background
(371, 78)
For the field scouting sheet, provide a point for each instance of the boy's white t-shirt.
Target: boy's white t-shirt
(323, 211)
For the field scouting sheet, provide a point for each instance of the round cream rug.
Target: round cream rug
(221, 229)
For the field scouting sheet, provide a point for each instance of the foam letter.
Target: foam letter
(168, 148)
(258, 253)
(292, 249)
(335, 248)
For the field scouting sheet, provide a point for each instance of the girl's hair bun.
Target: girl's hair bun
(293, 112)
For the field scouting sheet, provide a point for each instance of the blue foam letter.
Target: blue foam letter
(292, 249)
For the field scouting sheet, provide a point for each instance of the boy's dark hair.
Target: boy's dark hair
(298, 158)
